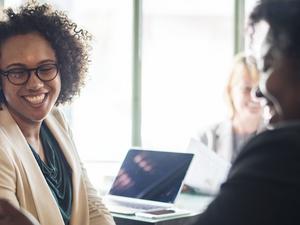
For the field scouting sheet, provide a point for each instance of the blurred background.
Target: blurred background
(157, 74)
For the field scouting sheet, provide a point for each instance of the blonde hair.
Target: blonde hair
(249, 64)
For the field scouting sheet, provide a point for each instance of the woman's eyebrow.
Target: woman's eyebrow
(24, 65)
(15, 65)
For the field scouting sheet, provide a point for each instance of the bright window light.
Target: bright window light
(187, 52)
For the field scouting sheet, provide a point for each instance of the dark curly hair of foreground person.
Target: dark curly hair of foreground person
(71, 44)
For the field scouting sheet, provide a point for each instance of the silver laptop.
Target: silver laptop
(147, 180)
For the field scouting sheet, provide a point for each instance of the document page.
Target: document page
(207, 170)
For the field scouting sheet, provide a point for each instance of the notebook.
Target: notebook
(207, 171)
(147, 180)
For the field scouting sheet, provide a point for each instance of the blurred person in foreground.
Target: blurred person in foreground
(43, 63)
(263, 185)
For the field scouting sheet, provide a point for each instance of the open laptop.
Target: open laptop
(147, 180)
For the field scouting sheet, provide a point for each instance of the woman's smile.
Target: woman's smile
(36, 100)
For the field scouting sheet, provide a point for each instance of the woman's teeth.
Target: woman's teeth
(37, 99)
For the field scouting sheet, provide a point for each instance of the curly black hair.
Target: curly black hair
(70, 44)
(283, 17)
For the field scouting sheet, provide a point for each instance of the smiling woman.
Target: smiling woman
(43, 61)
(28, 98)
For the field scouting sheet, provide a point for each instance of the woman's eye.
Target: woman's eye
(17, 73)
(247, 89)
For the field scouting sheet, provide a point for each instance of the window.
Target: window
(187, 52)
(101, 116)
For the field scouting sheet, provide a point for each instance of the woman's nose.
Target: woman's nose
(34, 83)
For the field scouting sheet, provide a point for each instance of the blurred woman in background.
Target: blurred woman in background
(245, 113)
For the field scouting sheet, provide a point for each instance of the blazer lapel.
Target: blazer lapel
(67, 146)
(41, 194)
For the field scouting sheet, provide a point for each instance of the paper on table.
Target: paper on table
(207, 170)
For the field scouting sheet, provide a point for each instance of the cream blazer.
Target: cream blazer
(23, 184)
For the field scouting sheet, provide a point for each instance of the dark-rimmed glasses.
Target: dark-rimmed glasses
(20, 76)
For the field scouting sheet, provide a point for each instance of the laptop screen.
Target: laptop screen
(151, 175)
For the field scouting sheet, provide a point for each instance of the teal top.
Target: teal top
(57, 172)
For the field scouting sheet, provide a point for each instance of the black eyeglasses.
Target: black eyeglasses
(20, 76)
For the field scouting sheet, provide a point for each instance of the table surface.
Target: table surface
(192, 202)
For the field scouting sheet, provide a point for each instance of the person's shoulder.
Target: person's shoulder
(56, 115)
(56, 111)
(220, 125)
(216, 127)
(270, 152)
(286, 135)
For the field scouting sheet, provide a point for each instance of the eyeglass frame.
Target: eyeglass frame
(29, 70)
